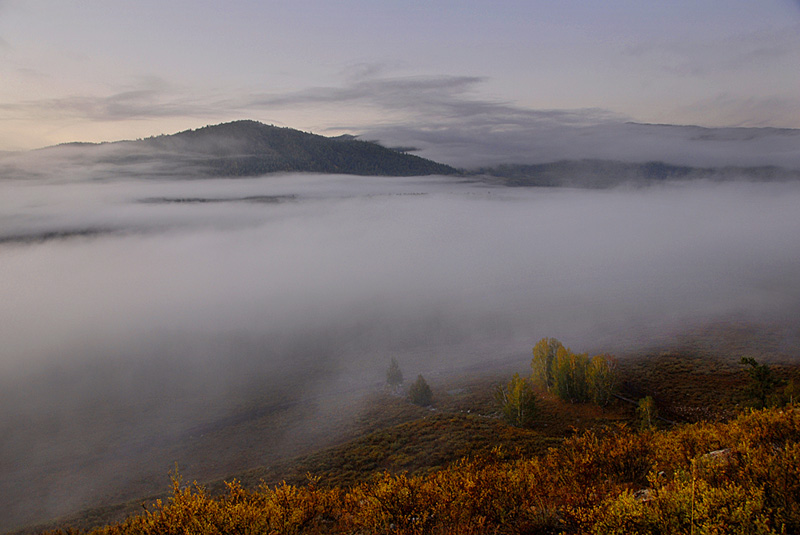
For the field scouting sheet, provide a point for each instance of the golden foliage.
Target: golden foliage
(573, 376)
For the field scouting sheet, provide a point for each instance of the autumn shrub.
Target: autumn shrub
(751, 486)
(684, 504)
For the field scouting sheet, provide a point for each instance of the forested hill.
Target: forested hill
(243, 148)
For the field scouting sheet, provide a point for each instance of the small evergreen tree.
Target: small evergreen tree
(762, 383)
(394, 376)
(420, 393)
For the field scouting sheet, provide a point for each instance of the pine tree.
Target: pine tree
(762, 383)
(420, 393)
(394, 376)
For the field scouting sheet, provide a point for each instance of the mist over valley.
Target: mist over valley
(144, 316)
(379, 267)
(130, 322)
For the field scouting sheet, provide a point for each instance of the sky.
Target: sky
(107, 70)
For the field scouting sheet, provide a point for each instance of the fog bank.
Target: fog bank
(133, 311)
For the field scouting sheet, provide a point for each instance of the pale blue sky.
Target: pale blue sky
(97, 70)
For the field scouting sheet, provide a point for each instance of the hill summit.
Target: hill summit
(243, 148)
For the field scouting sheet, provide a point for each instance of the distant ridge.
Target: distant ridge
(250, 148)
(246, 148)
(610, 173)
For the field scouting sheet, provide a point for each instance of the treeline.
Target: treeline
(742, 476)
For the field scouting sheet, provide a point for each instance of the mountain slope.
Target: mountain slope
(244, 148)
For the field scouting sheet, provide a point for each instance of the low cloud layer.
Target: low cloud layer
(121, 301)
(101, 260)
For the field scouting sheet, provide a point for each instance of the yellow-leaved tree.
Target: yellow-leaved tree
(602, 378)
(573, 376)
(569, 375)
(517, 401)
(544, 356)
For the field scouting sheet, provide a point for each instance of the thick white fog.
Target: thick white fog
(183, 298)
(108, 266)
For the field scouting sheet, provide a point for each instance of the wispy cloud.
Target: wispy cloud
(730, 54)
(449, 122)
(144, 97)
(747, 111)
(428, 98)
(435, 97)
(417, 93)
(368, 69)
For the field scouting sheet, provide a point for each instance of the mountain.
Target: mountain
(246, 148)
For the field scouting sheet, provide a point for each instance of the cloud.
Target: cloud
(393, 93)
(747, 111)
(731, 54)
(436, 98)
(366, 70)
(441, 116)
(444, 98)
(149, 97)
(444, 118)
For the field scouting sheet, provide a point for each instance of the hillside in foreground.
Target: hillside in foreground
(742, 476)
(710, 463)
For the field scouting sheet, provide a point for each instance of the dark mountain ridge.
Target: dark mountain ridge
(248, 148)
